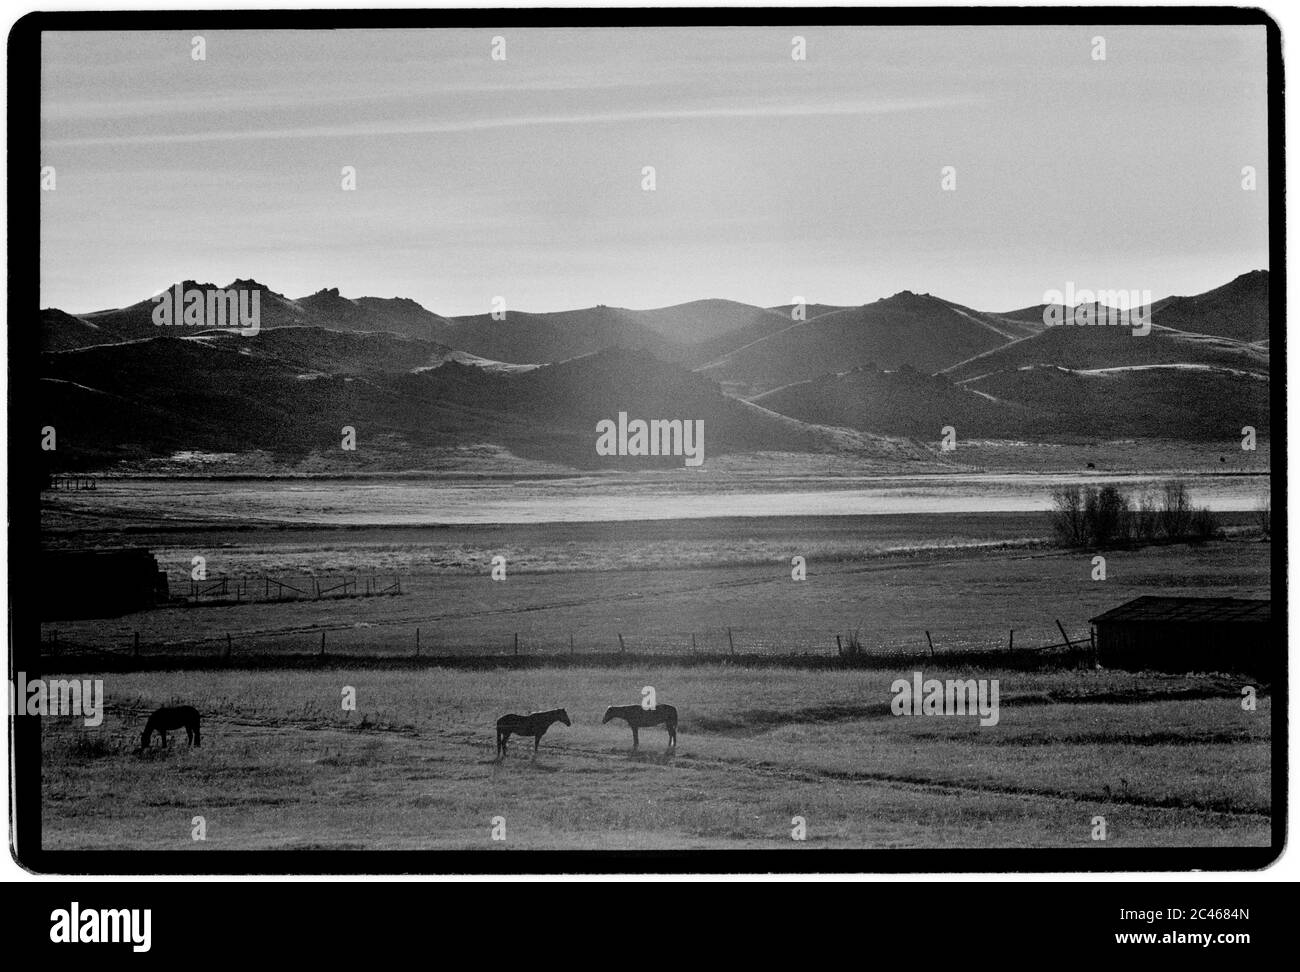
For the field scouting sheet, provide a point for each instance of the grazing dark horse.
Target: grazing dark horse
(639, 718)
(179, 717)
(534, 724)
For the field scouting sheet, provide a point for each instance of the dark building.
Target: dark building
(99, 583)
(1189, 634)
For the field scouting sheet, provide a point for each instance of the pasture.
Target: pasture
(968, 579)
(1168, 760)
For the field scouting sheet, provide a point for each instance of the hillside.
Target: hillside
(1189, 403)
(902, 402)
(1238, 310)
(61, 332)
(1037, 403)
(523, 337)
(289, 393)
(325, 308)
(917, 330)
(1077, 347)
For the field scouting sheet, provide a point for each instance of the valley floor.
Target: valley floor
(1168, 761)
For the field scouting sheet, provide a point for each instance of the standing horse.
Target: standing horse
(535, 724)
(181, 717)
(639, 718)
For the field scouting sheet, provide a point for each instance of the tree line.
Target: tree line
(1100, 516)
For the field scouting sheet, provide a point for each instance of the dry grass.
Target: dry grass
(282, 766)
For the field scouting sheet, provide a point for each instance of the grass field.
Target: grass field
(1169, 761)
(967, 579)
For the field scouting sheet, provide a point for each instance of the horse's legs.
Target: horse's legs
(635, 739)
(672, 736)
(537, 741)
(163, 732)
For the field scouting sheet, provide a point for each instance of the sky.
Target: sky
(774, 178)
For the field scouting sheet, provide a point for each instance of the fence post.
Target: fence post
(1068, 643)
(571, 650)
(322, 644)
(1011, 644)
(692, 642)
(730, 642)
(931, 643)
(227, 646)
(417, 642)
(516, 642)
(620, 643)
(839, 645)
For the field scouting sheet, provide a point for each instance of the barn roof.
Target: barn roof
(1185, 610)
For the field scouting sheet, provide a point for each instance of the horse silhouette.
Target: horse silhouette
(534, 724)
(179, 717)
(638, 718)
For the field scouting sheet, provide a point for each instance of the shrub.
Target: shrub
(853, 647)
(1204, 525)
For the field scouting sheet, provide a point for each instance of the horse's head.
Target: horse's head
(609, 714)
(564, 717)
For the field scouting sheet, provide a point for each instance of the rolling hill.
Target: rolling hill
(1109, 347)
(900, 402)
(118, 386)
(1038, 403)
(289, 392)
(918, 330)
(325, 308)
(524, 337)
(1238, 310)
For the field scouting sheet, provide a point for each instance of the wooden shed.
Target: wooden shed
(1189, 634)
(99, 583)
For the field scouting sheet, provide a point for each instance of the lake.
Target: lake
(583, 499)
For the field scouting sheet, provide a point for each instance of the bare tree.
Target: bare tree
(1105, 515)
(1067, 516)
(1142, 524)
(1175, 515)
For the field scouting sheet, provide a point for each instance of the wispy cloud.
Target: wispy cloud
(425, 127)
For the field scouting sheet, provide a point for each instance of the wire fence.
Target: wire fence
(272, 590)
(363, 642)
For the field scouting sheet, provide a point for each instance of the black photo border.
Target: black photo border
(24, 76)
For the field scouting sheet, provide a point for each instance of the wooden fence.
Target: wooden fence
(273, 590)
